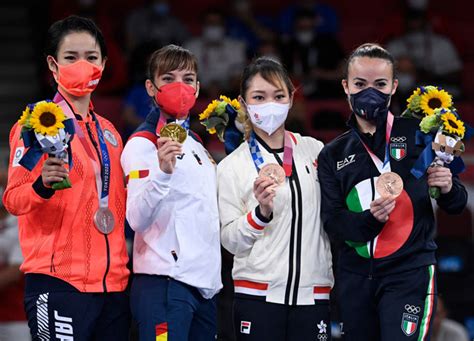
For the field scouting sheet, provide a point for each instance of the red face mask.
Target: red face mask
(176, 99)
(79, 78)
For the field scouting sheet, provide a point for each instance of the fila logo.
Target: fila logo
(245, 327)
(63, 327)
(347, 161)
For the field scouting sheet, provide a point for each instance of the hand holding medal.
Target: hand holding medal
(170, 142)
(264, 189)
(389, 184)
(174, 131)
(273, 172)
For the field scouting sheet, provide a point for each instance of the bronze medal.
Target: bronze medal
(174, 131)
(274, 172)
(389, 184)
(104, 220)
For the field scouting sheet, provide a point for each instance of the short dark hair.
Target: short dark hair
(171, 57)
(370, 50)
(270, 69)
(73, 23)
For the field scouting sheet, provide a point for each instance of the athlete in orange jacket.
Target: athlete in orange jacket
(68, 258)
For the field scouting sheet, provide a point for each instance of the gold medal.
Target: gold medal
(389, 184)
(174, 131)
(274, 172)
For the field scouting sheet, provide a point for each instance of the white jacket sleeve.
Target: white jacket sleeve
(239, 226)
(147, 184)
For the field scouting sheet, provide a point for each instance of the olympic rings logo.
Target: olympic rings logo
(398, 139)
(322, 337)
(412, 309)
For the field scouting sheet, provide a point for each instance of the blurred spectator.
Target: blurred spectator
(13, 324)
(269, 48)
(327, 20)
(220, 58)
(407, 82)
(445, 329)
(137, 103)
(434, 56)
(244, 25)
(316, 59)
(154, 22)
(393, 25)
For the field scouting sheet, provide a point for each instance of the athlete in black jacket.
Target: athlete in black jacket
(386, 277)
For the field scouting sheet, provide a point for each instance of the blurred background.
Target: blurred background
(433, 41)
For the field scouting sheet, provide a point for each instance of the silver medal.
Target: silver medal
(104, 220)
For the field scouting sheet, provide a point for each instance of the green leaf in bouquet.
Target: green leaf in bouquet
(407, 113)
(225, 117)
(220, 109)
(430, 123)
(220, 132)
(66, 183)
(213, 122)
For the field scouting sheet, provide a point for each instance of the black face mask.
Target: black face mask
(370, 104)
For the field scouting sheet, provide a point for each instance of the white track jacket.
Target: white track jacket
(286, 260)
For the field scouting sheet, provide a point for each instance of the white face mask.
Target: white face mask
(268, 116)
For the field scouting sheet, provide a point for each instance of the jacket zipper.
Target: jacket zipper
(104, 283)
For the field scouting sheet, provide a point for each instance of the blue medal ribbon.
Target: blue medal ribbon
(105, 166)
(255, 152)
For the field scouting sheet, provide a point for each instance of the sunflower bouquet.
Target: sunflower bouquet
(218, 114)
(45, 129)
(425, 99)
(441, 130)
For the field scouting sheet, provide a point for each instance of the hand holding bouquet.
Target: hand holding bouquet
(45, 129)
(441, 130)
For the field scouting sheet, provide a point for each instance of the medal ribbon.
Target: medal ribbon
(385, 165)
(102, 177)
(162, 122)
(287, 153)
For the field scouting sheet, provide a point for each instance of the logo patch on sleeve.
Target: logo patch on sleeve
(109, 136)
(17, 156)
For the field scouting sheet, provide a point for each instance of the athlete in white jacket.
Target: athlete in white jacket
(172, 207)
(282, 260)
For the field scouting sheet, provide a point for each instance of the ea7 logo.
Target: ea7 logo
(347, 161)
(245, 327)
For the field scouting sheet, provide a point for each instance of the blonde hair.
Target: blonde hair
(244, 119)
